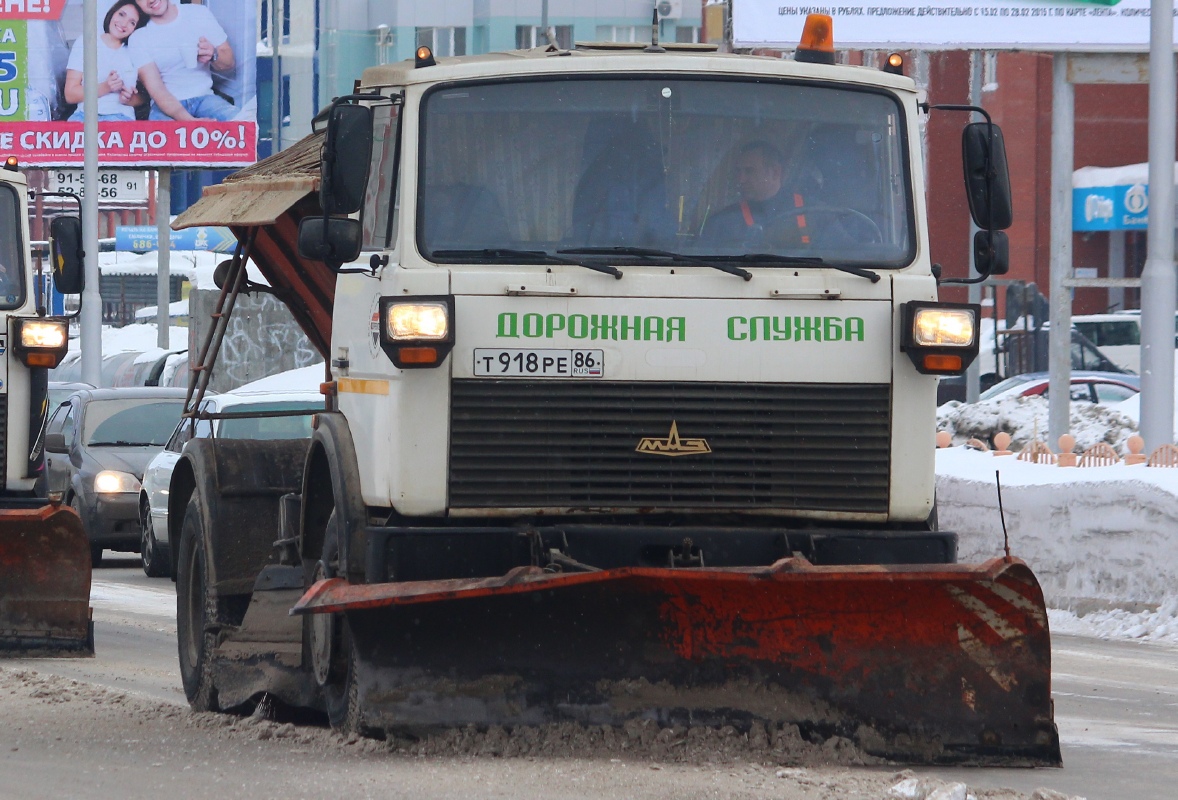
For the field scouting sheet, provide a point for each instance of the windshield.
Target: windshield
(131, 423)
(715, 168)
(12, 279)
(268, 427)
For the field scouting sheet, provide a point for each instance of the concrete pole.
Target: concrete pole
(973, 375)
(163, 228)
(276, 77)
(1158, 282)
(1063, 142)
(91, 319)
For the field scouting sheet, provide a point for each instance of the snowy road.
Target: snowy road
(1116, 701)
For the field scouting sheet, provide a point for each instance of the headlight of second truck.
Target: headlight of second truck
(940, 338)
(41, 342)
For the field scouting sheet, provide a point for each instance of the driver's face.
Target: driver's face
(757, 178)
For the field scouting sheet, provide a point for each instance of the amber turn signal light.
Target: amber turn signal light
(935, 362)
(418, 355)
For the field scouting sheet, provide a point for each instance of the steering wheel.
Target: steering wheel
(782, 228)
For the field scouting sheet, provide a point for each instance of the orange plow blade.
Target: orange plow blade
(920, 664)
(44, 583)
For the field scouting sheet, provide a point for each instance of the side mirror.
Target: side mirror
(55, 443)
(991, 253)
(347, 158)
(333, 240)
(987, 177)
(65, 235)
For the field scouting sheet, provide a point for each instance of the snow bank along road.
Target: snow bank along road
(123, 729)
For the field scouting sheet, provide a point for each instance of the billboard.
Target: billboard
(176, 82)
(1069, 25)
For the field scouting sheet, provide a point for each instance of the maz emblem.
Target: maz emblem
(672, 445)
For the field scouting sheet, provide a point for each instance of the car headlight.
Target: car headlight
(110, 481)
(42, 342)
(944, 327)
(420, 322)
(940, 338)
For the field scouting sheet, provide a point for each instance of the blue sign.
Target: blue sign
(1111, 208)
(144, 238)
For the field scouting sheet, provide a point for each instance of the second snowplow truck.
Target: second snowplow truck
(631, 372)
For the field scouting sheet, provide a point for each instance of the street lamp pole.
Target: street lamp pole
(91, 319)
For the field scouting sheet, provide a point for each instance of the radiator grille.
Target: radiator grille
(572, 444)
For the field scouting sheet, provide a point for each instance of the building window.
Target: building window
(443, 41)
(686, 34)
(623, 33)
(528, 36)
(264, 20)
(286, 101)
(990, 71)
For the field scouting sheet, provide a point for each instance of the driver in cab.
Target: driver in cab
(766, 213)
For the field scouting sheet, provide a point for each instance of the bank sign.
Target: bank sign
(1074, 25)
(176, 83)
(1111, 208)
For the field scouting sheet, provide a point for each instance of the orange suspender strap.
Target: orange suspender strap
(801, 218)
(747, 212)
(799, 203)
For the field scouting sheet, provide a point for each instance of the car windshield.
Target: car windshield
(146, 422)
(12, 279)
(727, 170)
(1003, 386)
(268, 427)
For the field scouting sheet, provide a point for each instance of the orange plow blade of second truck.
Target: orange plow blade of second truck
(921, 664)
(44, 583)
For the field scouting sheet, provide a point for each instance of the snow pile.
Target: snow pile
(138, 338)
(1102, 534)
(303, 379)
(1151, 626)
(1025, 419)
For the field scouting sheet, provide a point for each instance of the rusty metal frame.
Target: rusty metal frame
(235, 281)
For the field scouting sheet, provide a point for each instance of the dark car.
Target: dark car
(96, 444)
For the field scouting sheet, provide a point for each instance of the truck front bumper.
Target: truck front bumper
(441, 553)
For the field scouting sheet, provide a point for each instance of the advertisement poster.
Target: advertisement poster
(176, 82)
(1073, 25)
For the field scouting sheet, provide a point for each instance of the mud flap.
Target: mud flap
(44, 583)
(920, 664)
(265, 653)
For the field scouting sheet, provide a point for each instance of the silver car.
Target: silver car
(153, 498)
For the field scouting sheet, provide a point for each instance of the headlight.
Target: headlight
(111, 482)
(43, 334)
(940, 338)
(41, 342)
(421, 322)
(944, 327)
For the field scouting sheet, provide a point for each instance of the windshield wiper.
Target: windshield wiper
(804, 261)
(119, 443)
(646, 252)
(541, 256)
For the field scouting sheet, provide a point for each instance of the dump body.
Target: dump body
(624, 419)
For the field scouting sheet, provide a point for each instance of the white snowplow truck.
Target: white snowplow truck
(44, 552)
(629, 413)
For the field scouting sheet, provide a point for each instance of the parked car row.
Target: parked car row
(111, 452)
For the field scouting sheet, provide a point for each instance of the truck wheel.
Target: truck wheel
(154, 565)
(332, 654)
(196, 611)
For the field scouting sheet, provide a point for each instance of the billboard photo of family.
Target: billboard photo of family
(176, 84)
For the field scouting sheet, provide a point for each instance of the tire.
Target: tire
(333, 656)
(196, 614)
(154, 563)
(95, 548)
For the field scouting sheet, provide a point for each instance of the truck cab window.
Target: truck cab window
(703, 167)
(380, 199)
(12, 279)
